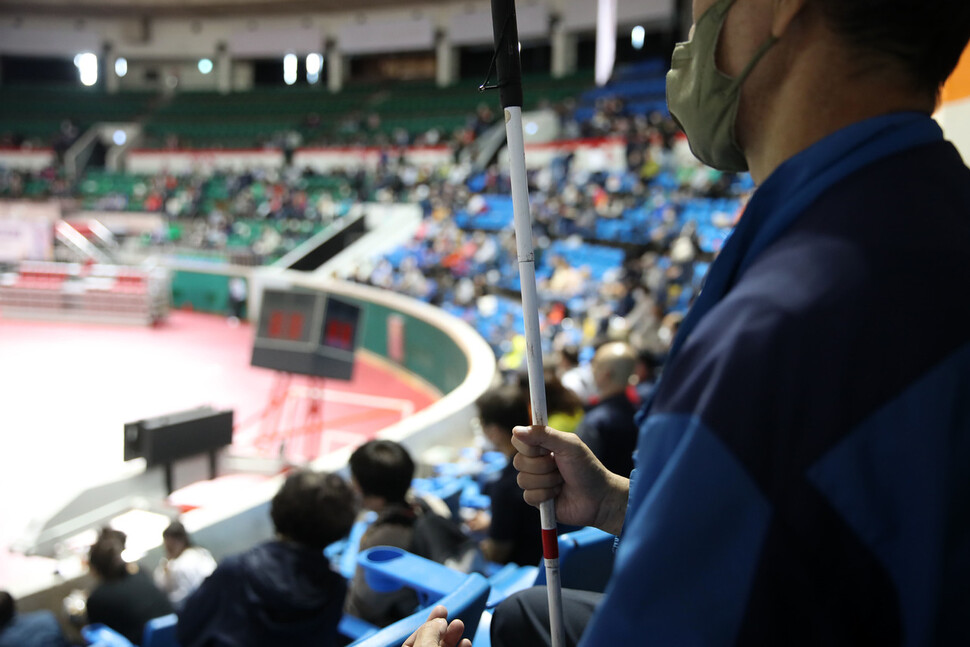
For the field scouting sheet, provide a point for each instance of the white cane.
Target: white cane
(508, 65)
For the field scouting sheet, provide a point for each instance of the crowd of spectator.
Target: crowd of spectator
(604, 333)
(470, 271)
(290, 590)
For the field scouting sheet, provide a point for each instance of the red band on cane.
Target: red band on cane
(550, 544)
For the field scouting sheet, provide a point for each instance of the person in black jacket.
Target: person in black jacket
(608, 428)
(31, 629)
(282, 592)
(382, 471)
(125, 597)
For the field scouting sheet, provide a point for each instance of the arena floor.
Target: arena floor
(66, 391)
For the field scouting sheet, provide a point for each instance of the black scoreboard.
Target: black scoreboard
(305, 332)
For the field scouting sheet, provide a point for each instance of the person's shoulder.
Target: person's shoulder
(39, 620)
(32, 628)
(598, 415)
(736, 344)
(233, 565)
(387, 534)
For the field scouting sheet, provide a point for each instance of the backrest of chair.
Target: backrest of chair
(466, 602)
(387, 568)
(101, 635)
(161, 632)
(585, 560)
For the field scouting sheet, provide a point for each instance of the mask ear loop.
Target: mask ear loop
(740, 78)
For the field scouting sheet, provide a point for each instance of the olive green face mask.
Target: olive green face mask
(702, 99)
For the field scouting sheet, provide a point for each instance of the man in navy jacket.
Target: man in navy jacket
(801, 470)
(282, 592)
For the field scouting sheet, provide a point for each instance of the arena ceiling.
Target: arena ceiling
(129, 8)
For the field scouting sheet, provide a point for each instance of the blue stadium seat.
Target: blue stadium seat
(99, 635)
(159, 632)
(343, 553)
(585, 562)
(447, 488)
(388, 569)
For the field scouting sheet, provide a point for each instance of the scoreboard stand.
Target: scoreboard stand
(302, 332)
(289, 422)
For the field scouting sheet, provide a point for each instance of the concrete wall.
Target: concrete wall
(387, 30)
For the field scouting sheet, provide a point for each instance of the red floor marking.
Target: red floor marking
(67, 389)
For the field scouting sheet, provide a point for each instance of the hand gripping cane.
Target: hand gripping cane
(509, 68)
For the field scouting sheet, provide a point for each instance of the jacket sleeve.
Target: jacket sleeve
(200, 607)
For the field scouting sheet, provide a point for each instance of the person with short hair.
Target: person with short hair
(801, 471)
(513, 528)
(608, 428)
(282, 592)
(185, 565)
(125, 597)
(34, 629)
(382, 471)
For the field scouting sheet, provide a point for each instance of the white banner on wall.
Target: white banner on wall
(202, 161)
(323, 160)
(592, 155)
(27, 230)
(26, 160)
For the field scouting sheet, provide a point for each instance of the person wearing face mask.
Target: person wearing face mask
(795, 483)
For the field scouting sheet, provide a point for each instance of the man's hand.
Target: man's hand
(437, 632)
(556, 465)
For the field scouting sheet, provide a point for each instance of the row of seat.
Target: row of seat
(586, 560)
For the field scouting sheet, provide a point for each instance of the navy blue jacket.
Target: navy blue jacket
(610, 431)
(278, 593)
(34, 629)
(802, 473)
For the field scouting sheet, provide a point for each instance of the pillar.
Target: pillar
(564, 49)
(446, 61)
(223, 69)
(336, 67)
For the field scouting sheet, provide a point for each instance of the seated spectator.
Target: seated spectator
(282, 592)
(125, 597)
(608, 428)
(513, 528)
(564, 407)
(646, 371)
(576, 377)
(35, 629)
(382, 471)
(184, 567)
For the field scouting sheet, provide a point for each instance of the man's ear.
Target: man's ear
(784, 13)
